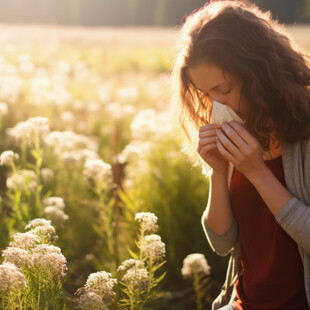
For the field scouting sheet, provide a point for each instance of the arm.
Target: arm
(218, 221)
(245, 154)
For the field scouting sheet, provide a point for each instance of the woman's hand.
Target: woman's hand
(207, 148)
(239, 147)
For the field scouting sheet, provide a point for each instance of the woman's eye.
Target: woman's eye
(227, 92)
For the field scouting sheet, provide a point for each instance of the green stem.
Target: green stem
(197, 290)
(107, 220)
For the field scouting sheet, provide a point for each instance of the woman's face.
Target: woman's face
(226, 89)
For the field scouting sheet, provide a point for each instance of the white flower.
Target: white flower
(130, 263)
(55, 214)
(38, 222)
(151, 123)
(127, 93)
(137, 277)
(8, 158)
(102, 284)
(50, 263)
(3, 108)
(195, 263)
(29, 129)
(23, 180)
(97, 169)
(20, 257)
(47, 175)
(57, 202)
(147, 221)
(46, 249)
(153, 247)
(62, 141)
(11, 278)
(43, 229)
(47, 234)
(135, 149)
(25, 241)
(87, 300)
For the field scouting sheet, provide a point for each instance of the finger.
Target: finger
(224, 152)
(209, 147)
(208, 127)
(244, 134)
(205, 141)
(227, 143)
(209, 133)
(234, 136)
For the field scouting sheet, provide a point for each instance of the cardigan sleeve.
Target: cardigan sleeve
(294, 218)
(221, 244)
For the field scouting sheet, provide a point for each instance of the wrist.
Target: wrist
(259, 175)
(219, 174)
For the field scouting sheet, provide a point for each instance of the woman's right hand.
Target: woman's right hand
(207, 148)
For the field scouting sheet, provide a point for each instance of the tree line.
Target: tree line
(130, 12)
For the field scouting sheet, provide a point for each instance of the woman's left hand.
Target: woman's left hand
(240, 148)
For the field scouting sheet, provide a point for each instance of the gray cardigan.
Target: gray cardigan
(294, 218)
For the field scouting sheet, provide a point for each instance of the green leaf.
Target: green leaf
(133, 254)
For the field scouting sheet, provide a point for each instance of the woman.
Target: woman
(259, 207)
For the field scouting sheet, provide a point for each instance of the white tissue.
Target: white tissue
(223, 113)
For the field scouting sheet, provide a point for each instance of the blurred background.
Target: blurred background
(98, 70)
(129, 12)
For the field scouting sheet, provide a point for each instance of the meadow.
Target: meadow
(99, 208)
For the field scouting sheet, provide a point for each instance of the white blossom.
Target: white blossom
(11, 278)
(8, 158)
(55, 214)
(102, 284)
(137, 277)
(147, 221)
(130, 263)
(50, 263)
(38, 222)
(23, 180)
(57, 202)
(25, 241)
(62, 141)
(47, 234)
(3, 108)
(47, 175)
(97, 169)
(20, 257)
(29, 129)
(195, 262)
(87, 300)
(153, 247)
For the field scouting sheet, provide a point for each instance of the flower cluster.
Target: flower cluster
(97, 292)
(135, 274)
(11, 278)
(32, 249)
(85, 300)
(96, 170)
(8, 158)
(28, 262)
(54, 210)
(43, 229)
(23, 180)
(147, 221)
(34, 127)
(195, 263)
(153, 247)
(49, 260)
(102, 284)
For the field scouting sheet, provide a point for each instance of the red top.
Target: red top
(273, 275)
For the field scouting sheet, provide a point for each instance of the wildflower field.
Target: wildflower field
(99, 209)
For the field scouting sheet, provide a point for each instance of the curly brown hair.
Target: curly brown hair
(246, 42)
